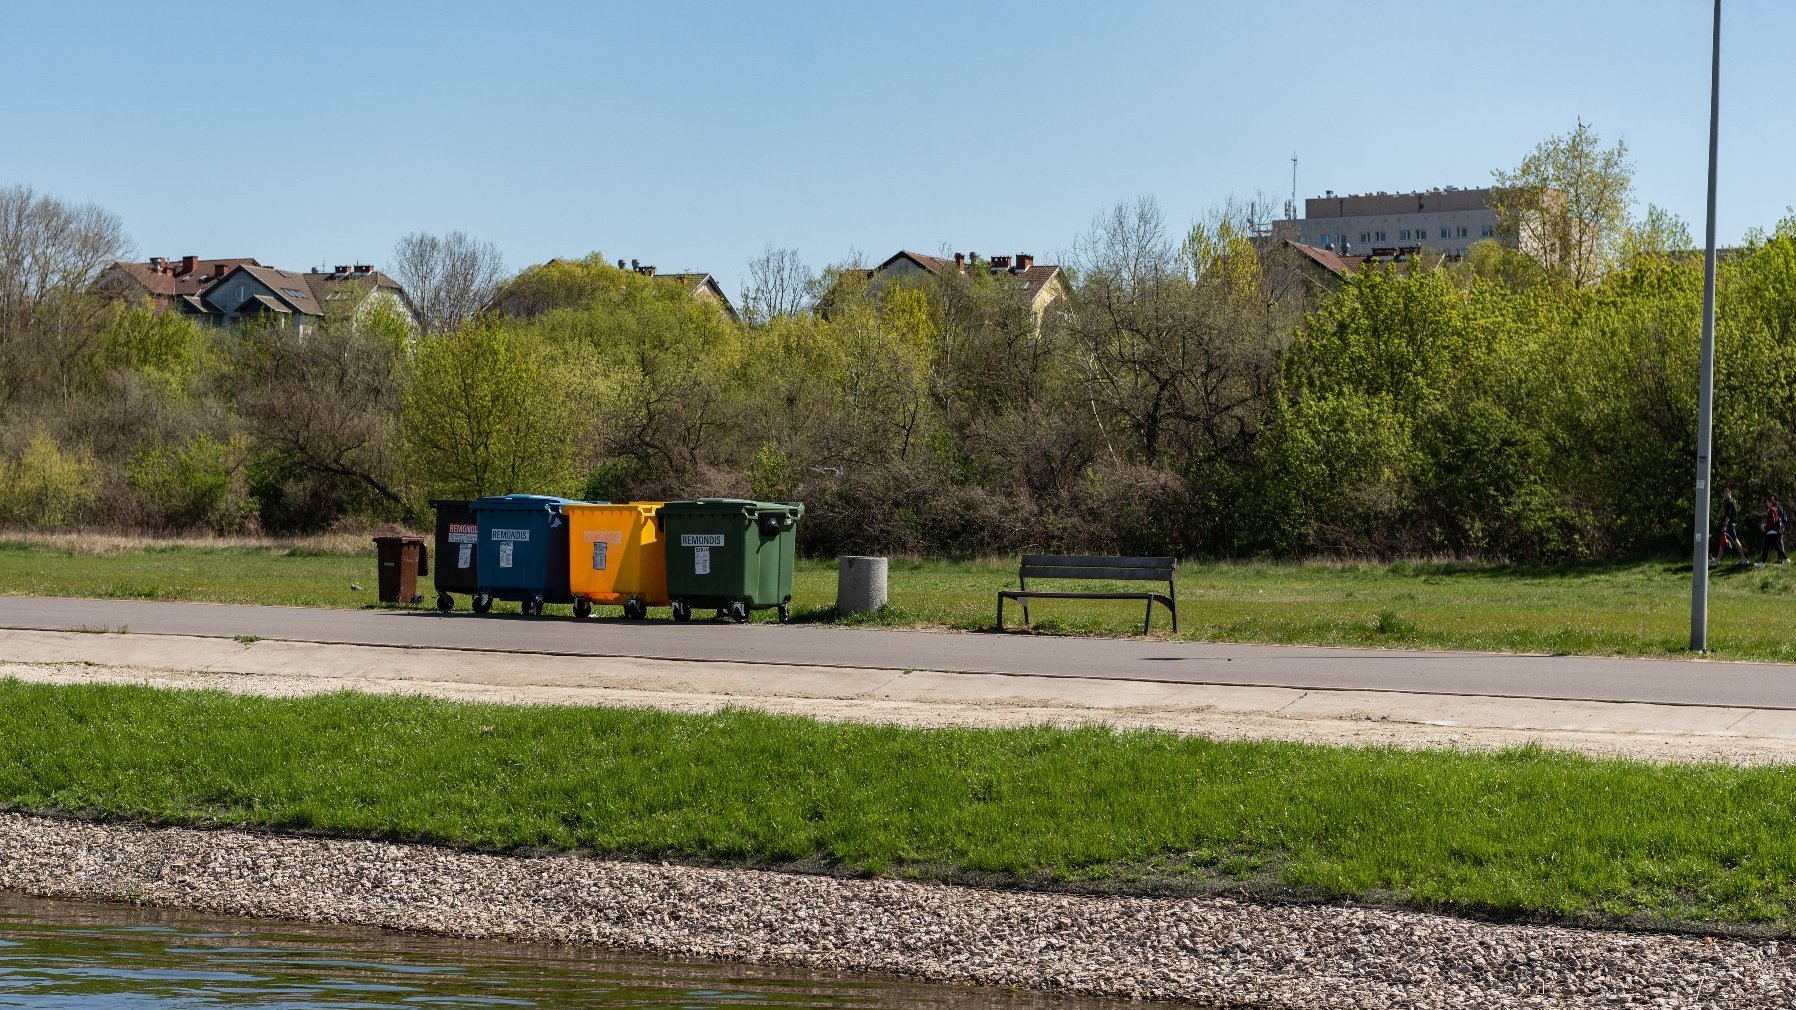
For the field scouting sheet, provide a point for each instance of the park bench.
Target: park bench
(1078, 566)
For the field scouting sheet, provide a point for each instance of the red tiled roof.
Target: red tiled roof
(171, 279)
(1033, 277)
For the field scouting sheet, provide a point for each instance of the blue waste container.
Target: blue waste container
(523, 551)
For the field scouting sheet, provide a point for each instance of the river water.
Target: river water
(72, 956)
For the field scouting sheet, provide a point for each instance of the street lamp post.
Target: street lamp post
(1699, 590)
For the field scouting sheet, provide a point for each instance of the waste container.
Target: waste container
(458, 563)
(731, 554)
(522, 551)
(401, 560)
(615, 557)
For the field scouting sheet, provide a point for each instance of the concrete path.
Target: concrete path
(909, 697)
(1559, 678)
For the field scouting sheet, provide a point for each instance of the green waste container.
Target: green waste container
(731, 554)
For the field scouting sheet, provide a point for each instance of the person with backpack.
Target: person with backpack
(1730, 529)
(1774, 533)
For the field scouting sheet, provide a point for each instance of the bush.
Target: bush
(196, 485)
(45, 486)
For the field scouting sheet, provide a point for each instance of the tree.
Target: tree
(449, 278)
(50, 251)
(1567, 203)
(1179, 339)
(487, 411)
(779, 284)
(321, 407)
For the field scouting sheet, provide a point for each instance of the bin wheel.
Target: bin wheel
(681, 612)
(582, 608)
(738, 612)
(634, 609)
(535, 607)
(417, 597)
(445, 601)
(785, 612)
(482, 603)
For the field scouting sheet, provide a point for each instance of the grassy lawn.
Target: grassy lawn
(1525, 834)
(1634, 608)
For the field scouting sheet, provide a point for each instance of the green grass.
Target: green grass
(1633, 608)
(1525, 834)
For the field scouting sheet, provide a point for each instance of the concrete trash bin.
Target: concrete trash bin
(860, 584)
(402, 560)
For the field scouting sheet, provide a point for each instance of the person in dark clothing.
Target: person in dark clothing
(1730, 528)
(1774, 533)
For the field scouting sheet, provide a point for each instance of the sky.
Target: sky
(694, 135)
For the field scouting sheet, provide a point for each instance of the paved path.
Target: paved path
(1663, 682)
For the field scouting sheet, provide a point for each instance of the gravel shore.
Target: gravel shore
(1208, 951)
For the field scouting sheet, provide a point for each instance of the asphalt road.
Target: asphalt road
(1665, 682)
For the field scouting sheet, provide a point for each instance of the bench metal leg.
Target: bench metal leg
(1149, 619)
(1000, 611)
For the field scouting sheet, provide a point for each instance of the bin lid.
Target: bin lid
(520, 502)
(743, 505)
(645, 507)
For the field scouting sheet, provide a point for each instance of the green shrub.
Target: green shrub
(46, 486)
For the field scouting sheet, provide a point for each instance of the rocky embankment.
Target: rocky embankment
(1212, 952)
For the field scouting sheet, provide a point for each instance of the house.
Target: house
(302, 299)
(701, 286)
(168, 284)
(1041, 285)
(227, 290)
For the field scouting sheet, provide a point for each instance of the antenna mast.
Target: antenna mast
(1293, 185)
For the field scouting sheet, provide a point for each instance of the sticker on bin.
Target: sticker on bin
(465, 556)
(701, 560)
(599, 549)
(463, 533)
(701, 540)
(505, 548)
(607, 536)
(511, 534)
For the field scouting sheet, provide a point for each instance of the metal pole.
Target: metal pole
(1699, 590)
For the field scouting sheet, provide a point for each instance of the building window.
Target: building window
(1403, 236)
(1365, 237)
(1443, 233)
(1485, 231)
(1380, 236)
(1325, 238)
(1462, 231)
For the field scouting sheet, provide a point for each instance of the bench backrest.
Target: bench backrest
(1085, 566)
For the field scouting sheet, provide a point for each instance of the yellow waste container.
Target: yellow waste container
(616, 557)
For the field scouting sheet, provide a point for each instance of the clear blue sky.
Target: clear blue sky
(691, 135)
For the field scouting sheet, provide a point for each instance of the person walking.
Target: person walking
(1730, 528)
(1774, 533)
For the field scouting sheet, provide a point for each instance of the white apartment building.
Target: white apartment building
(1373, 224)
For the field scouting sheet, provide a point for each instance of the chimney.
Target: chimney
(364, 268)
(960, 262)
(1000, 263)
(1024, 261)
(157, 263)
(342, 268)
(188, 263)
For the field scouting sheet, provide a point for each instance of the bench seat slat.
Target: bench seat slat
(1095, 561)
(1017, 594)
(1099, 574)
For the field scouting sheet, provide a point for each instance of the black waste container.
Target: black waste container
(458, 556)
